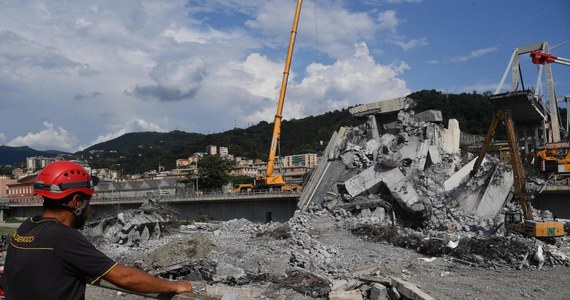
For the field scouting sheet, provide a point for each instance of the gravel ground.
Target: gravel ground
(322, 244)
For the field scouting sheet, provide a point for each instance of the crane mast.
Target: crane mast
(269, 179)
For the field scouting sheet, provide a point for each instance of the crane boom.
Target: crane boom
(278, 116)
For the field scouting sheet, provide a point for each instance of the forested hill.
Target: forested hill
(143, 151)
(473, 111)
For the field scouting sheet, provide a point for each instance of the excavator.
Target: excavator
(524, 222)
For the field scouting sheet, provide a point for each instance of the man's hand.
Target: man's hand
(183, 286)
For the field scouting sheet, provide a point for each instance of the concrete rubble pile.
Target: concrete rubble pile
(414, 175)
(238, 258)
(402, 183)
(133, 227)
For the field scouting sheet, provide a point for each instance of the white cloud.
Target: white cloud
(473, 54)
(388, 20)
(48, 139)
(351, 81)
(407, 45)
(2, 137)
(87, 67)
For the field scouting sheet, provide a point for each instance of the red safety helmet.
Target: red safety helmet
(63, 178)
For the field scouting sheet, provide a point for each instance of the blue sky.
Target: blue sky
(77, 73)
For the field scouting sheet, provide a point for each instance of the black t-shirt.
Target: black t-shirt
(48, 260)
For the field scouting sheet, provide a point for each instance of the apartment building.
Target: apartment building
(300, 160)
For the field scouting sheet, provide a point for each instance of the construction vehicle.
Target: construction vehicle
(271, 181)
(515, 221)
(243, 187)
(555, 157)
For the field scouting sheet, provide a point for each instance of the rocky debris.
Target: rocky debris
(382, 186)
(506, 251)
(132, 227)
(415, 173)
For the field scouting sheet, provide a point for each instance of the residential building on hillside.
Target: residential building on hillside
(224, 151)
(245, 170)
(297, 160)
(35, 163)
(212, 150)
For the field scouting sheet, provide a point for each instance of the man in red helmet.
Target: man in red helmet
(47, 258)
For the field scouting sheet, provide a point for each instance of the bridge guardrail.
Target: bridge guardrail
(35, 200)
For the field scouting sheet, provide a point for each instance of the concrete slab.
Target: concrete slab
(495, 194)
(378, 292)
(402, 190)
(410, 150)
(409, 290)
(384, 106)
(451, 137)
(421, 155)
(460, 176)
(372, 125)
(434, 156)
(345, 295)
(433, 116)
(365, 182)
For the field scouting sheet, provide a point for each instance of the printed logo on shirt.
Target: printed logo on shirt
(22, 238)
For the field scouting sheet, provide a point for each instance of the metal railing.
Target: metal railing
(182, 195)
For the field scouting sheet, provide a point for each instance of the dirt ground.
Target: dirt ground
(322, 244)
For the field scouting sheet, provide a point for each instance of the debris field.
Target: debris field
(391, 212)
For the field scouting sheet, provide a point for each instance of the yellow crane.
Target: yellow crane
(271, 181)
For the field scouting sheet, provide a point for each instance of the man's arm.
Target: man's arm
(141, 282)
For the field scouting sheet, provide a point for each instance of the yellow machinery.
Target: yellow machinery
(243, 187)
(515, 221)
(270, 181)
(553, 161)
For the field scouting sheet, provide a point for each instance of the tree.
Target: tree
(213, 172)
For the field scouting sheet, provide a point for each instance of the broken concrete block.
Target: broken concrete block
(344, 285)
(460, 176)
(485, 197)
(433, 116)
(410, 150)
(365, 181)
(496, 193)
(378, 292)
(434, 155)
(451, 137)
(402, 190)
(421, 155)
(372, 125)
(409, 290)
(235, 293)
(372, 147)
(345, 295)
(366, 270)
